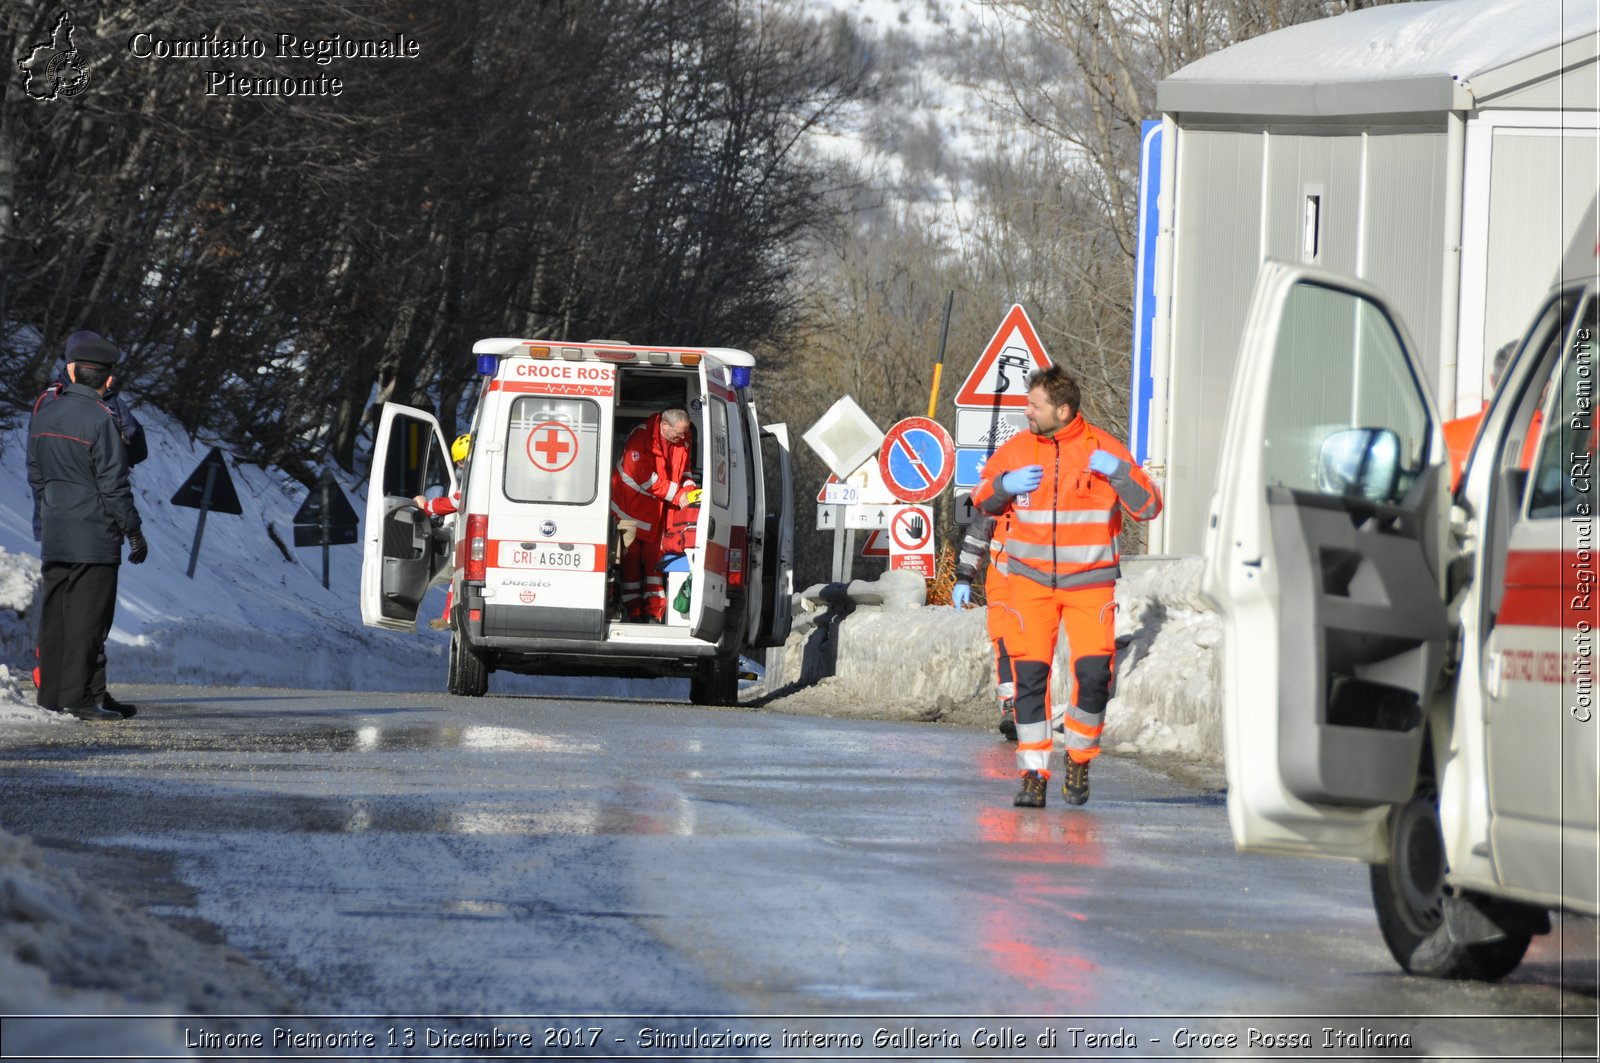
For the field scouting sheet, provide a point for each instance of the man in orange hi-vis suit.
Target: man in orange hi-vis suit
(1067, 485)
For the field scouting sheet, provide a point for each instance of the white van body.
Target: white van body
(532, 552)
(1409, 673)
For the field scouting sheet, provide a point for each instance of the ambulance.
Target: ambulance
(1409, 674)
(532, 555)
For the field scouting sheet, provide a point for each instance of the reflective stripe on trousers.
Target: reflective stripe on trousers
(1089, 617)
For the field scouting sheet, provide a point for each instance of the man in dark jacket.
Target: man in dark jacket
(78, 469)
(132, 433)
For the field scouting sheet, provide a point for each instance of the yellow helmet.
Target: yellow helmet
(461, 447)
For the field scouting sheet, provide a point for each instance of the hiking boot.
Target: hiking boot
(93, 714)
(1075, 782)
(121, 708)
(1032, 793)
(1008, 719)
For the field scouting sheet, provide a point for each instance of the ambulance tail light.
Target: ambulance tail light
(738, 539)
(477, 547)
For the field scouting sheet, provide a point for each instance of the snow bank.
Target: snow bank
(913, 663)
(67, 949)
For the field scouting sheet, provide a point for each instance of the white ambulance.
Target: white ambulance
(532, 554)
(1409, 675)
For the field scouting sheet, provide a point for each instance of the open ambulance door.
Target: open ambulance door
(776, 549)
(708, 600)
(400, 550)
(1325, 555)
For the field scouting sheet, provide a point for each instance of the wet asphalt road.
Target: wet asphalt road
(420, 855)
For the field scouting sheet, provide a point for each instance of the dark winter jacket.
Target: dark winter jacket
(128, 427)
(78, 469)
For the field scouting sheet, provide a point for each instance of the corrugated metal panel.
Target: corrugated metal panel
(1216, 257)
(1405, 233)
(1301, 167)
(1541, 185)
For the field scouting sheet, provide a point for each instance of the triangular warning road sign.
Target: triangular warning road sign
(1000, 379)
(210, 487)
(876, 544)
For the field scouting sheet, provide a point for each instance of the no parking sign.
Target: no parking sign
(917, 459)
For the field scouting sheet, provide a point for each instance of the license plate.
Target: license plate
(571, 557)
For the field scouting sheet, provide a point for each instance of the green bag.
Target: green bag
(680, 601)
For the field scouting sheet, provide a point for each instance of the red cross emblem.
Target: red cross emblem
(552, 446)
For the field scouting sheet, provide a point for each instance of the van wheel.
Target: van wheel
(468, 675)
(1408, 894)
(715, 682)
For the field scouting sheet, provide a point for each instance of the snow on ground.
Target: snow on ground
(251, 616)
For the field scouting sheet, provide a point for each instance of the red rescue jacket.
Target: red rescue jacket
(651, 475)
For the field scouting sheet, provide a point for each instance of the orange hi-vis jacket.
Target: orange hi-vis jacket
(650, 475)
(1063, 534)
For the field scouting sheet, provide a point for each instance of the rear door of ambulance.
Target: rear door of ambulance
(548, 496)
(709, 598)
(401, 551)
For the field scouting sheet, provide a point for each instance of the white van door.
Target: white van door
(1325, 555)
(708, 606)
(401, 548)
(777, 544)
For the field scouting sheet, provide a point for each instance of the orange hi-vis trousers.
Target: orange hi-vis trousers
(1004, 624)
(1089, 616)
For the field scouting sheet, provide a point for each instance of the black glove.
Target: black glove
(138, 549)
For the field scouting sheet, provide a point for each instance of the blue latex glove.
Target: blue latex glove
(961, 595)
(1105, 463)
(1021, 481)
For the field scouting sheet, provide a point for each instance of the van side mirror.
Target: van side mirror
(1360, 463)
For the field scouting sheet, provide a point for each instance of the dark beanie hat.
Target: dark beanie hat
(91, 347)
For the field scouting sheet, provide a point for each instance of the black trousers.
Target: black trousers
(74, 621)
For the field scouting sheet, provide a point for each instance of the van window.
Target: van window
(1339, 366)
(1562, 483)
(553, 450)
(718, 473)
(415, 465)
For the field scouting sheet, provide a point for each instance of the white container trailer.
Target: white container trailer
(1445, 152)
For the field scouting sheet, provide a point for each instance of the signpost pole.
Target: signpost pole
(849, 555)
(938, 363)
(327, 528)
(200, 525)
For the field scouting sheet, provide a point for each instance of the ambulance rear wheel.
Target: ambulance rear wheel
(715, 682)
(468, 675)
(1408, 894)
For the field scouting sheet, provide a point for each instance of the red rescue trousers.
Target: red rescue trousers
(644, 588)
(1089, 616)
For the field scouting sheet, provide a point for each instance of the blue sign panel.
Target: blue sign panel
(1142, 387)
(969, 465)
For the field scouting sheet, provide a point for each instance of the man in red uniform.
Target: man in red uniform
(1066, 485)
(651, 475)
